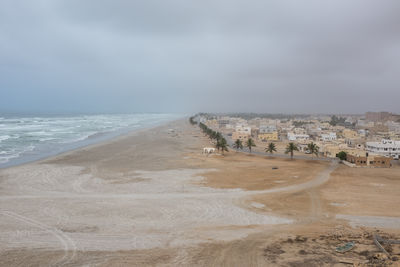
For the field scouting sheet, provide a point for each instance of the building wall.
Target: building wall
(328, 137)
(382, 162)
(240, 136)
(371, 161)
(296, 137)
(243, 129)
(387, 148)
(267, 128)
(223, 122)
(378, 116)
(331, 151)
(358, 161)
(347, 133)
(268, 136)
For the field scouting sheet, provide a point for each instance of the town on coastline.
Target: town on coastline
(369, 140)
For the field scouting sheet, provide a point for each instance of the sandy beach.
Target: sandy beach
(151, 198)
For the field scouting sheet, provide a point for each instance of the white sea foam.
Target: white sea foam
(24, 136)
(4, 137)
(47, 139)
(7, 157)
(79, 138)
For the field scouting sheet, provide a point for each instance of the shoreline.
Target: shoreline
(104, 139)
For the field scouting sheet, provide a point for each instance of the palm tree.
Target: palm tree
(238, 144)
(217, 135)
(218, 145)
(250, 143)
(271, 148)
(290, 148)
(192, 121)
(222, 144)
(313, 148)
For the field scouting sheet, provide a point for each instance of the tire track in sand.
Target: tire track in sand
(65, 240)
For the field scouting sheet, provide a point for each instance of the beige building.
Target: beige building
(325, 125)
(369, 161)
(331, 150)
(349, 134)
(240, 135)
(212, 123)
(379, 116)
(273, 136)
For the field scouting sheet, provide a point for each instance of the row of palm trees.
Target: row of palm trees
(192, 120)
(220, 141)
(239, 144)
(311, 147)
(271, 148)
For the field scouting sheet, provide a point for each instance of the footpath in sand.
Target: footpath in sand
(152, 198)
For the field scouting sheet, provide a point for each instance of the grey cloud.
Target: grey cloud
(186, 56)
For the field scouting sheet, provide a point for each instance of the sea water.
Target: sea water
(25, 138)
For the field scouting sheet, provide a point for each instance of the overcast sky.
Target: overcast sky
(331, 56)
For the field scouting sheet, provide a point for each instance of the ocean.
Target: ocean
(24, 139)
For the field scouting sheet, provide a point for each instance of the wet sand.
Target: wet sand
(152, 198)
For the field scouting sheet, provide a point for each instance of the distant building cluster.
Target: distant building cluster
(372, 139)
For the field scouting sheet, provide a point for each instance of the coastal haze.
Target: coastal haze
(199, 133)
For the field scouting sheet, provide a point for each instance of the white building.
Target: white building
(267, 129)
(297, 137)
(388, 148)
(328, 137)
(363, 132)
(223, 122)
(242, 129)
(393, 126)
(299, 131)
(350, 120)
